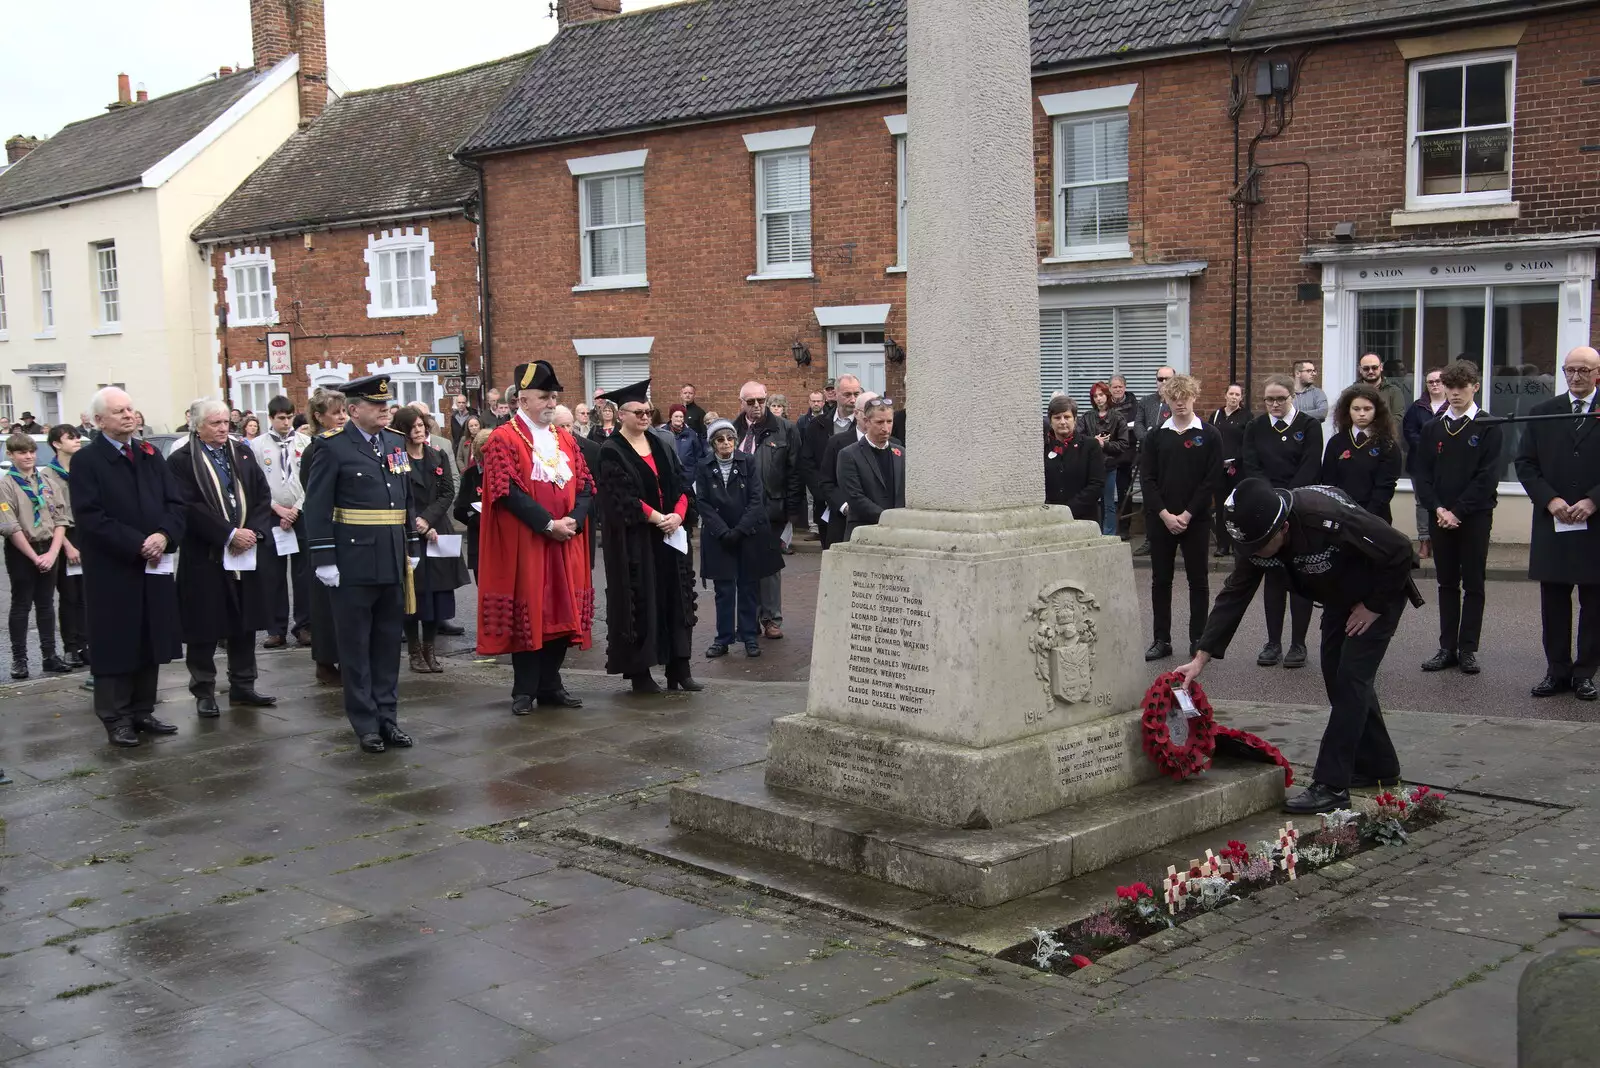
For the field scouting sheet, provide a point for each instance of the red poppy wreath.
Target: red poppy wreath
(1181, 745)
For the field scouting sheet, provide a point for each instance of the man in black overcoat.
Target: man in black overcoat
(816, 466)
(127, 514)
(228, 516)
(837, 527)
(872, 471)
(1559, 465)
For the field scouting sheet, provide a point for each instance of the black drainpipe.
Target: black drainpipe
(486, 346)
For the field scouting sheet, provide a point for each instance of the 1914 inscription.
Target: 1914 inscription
(890, 665)
(1091, 756)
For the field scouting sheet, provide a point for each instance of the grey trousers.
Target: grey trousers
(771, 591)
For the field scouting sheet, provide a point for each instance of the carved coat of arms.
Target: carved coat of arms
(1063, 641)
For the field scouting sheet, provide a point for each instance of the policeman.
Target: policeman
(1333, 552)
(361, 532)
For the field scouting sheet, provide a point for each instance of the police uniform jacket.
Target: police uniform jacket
(1337, 554)
(1561, 458)
(359, 510)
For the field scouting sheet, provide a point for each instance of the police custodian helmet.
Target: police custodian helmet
(1254, 512)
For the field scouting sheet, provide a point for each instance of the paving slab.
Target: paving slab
(1148, 1043)
(592, 929)
(1468, 1024)
(842, 982)
(798, 1052)
(743, 1017)
(562, 886)
(450, 1034)
(749, 945)
(1374, 1052)
(954, 1021)
(459, 866)
(602, 993)
(207, 978)
(1514, 910)
(1200, 997)
(53, 1021)
(644, 1042)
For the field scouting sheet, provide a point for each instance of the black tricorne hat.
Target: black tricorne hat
(639, 392)
(1255, 511)
(536, 375)
(374, 388)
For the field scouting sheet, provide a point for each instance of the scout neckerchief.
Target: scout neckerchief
(55, 465)
(34, 494)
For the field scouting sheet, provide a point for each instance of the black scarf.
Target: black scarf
(216, 497)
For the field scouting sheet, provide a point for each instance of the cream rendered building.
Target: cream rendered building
(99, 281)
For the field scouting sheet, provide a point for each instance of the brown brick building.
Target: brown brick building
(710, 191)
(357, 244)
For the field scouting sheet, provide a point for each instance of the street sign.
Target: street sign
(441, 365)
(452, 385)
(474, 382)
(280, 361)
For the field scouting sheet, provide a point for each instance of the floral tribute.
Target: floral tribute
(1238, 870)
(1180, 747)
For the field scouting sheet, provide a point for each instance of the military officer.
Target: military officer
(362, 535)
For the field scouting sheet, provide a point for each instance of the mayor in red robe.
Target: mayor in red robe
(535, 592)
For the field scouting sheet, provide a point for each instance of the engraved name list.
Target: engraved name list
(890, 665)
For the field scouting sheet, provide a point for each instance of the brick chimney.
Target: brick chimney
(141, 95)
(20, 146)
(124, 94)
(571, 11)
(279, 28)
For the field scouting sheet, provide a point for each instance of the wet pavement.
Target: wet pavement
(257, 891)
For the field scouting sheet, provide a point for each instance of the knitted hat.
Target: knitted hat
(720, 424)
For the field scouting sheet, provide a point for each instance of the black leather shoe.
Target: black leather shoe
(372, 743)
(559, 699)
(716, 649)
(521, 704)
(54, 665)
(1316, 798)
(206, 708)
(74, 661)
(125, 736)
(1295, 657)
(645, 684)
(151, 725)
(454, 630)
(686, 684)
(1583, 689)
(302, 637)
(393, 735)
(1143, 548)
(251, 698)
(752, 649)
(1158, 651)
(1469, 664)
(1270, 654)
(1440, 660)
(1371, 782)
(19, 667)
(1549, 686)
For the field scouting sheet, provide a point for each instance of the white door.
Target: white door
(50, 405)
(859, 353)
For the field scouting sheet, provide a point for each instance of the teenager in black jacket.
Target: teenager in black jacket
(1284, 447)
(1180, 464)
(1457, 477)
(1363, 457)
(1074, 466)
(1230, 421)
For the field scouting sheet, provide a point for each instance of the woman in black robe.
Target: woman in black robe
(650, 598)
(327, 417)
(1074, 466)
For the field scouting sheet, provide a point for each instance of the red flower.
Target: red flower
(1345, 455)
(1237, 852)
(1081, 961)
(896, 452)
(147, 448)
(438, 470)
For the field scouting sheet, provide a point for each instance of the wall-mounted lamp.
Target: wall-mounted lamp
(801, 354)
(1345, 231)
(892, 351)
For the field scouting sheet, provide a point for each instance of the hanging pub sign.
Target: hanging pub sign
(279, 359)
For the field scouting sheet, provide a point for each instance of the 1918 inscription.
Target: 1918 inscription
(890, 665)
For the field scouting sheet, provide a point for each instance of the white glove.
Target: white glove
(328, 575)
(413, 561)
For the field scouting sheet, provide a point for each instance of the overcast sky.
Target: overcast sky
(63, 56)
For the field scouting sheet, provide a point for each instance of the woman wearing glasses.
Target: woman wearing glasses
(650, 599)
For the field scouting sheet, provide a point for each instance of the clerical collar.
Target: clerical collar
(1470, 413)
(1172, 425)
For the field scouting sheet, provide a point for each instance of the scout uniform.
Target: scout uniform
(361, 530)
(29, 505)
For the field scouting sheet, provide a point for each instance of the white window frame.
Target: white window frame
(594, 351)
(44, 293)
(901, 190)
(248, 382)
(385, 245)
(108, 302)
(328, 375)
(5, 318)
(408, 383)
(1102, 250)
(586, 230)
(8, 405)
(235, 266)
(1415, 199)
(1171, 295)
(766, 147)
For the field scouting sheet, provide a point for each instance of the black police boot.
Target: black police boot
(1444, 658)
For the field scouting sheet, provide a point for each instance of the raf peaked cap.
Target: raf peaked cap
(373, 388)
(639, 393)
(1255, 511)
(536, 375)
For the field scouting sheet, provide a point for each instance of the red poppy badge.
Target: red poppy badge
(897, 452)
(438, 470)
(147, 448)
(1345, 455)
